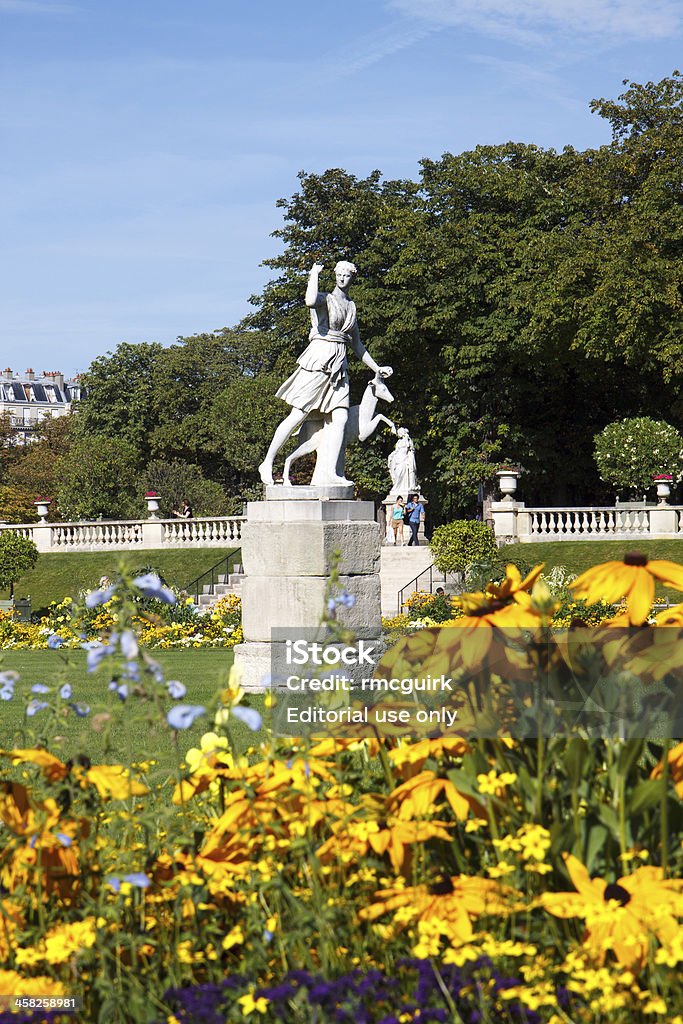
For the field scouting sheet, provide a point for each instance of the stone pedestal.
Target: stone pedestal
(510, 521)
(288, 548)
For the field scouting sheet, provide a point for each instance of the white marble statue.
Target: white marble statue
(402, 466)
(361, 424)
(319, 387)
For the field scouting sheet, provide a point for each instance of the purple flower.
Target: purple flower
(151, 586)
(40, 688)
(97, 652)
(121, 689)
(249, 716)
(64, 839)
(133, 671)
(96, 597)
(82, 710)
(8, 680)
(183, 715)
(65, 691)
(34, 706)
(344, 600)
(176, 689)
(54, 641)
(129, 644)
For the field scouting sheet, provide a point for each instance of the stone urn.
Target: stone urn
(152, 499)
(663, 484)
(507, 481)
(42, 508)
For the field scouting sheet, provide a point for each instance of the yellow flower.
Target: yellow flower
(416, 797)
(620, 915)
(633, 579)
(675, 760)
(494, 784)
(451, 904)
(111, 780)
(500, 870)
(251, 1005)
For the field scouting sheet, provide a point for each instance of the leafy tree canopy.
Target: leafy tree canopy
(17, 555)
(525, 298)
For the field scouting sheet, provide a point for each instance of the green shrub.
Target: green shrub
(459, 544)
(17, 555)
(629, 452)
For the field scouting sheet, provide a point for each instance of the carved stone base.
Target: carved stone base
(288, 549)
(338, 492)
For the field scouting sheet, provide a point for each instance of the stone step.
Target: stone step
(399, 567)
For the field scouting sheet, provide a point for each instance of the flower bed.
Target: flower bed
(72, 623)
(516, 879)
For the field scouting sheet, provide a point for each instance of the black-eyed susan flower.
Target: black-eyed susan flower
(450, 905)
(620, 916)
(632, 579)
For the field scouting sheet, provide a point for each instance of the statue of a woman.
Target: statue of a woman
(320, 383)
(402, 466)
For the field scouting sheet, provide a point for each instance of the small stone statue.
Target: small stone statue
(402, 466)
(319, 387)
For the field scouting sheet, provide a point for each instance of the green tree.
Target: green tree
(17, 555)
(630, 452)
(101, 478)
(38, 469)
(533, 295)
(176, 480)
(120, 396)
(16, 505)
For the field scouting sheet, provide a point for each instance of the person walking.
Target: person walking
(415, 510)
(397, 514)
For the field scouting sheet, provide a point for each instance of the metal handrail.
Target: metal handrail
(192, 589)
(443, 578)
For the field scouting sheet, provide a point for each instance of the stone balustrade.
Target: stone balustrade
(514, 523)
(133, 534)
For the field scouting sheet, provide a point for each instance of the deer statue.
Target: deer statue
(361, 424)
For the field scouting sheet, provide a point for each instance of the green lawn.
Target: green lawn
(578, 555)
(57, 575)
(203, 673)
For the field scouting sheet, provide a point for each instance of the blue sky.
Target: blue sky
(146, 143)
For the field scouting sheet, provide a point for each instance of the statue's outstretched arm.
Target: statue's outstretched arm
(312, 288)
(365, 357)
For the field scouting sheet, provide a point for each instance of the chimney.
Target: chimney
(7, 374)
(30, 375)
(54, 377)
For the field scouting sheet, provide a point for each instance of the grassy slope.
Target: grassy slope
(579, 555)
(203, 672)
(57, 575)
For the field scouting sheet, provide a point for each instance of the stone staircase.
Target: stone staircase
(230, 584)
(399, 566)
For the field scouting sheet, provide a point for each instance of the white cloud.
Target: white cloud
(531, 20)
(381, 45)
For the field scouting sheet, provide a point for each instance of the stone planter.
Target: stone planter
(152, 505)
(42, 508)
(663, 490)
(507, 481)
